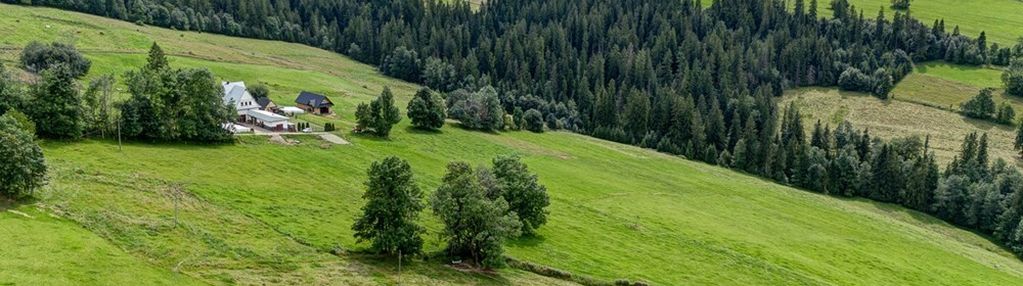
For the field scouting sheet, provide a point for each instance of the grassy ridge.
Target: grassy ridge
(256, 212)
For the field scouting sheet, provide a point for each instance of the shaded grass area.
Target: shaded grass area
(898, 118)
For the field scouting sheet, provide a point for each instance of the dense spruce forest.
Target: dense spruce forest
(667, 75)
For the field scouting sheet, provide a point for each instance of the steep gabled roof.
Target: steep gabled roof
(263, 102)
(312, 99)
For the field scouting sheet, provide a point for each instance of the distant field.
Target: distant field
(898, 119)
(1001, 19)
(943, 85)
(262, 213)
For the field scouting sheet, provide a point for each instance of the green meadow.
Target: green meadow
(256, 212)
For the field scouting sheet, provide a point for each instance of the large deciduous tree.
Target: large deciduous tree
(426, 110)
(522, 190)
(393, 203)
(22, 165)
(475, 227)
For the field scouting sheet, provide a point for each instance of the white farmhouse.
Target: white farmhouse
(237, 95)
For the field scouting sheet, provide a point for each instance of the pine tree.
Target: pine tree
(156, 60)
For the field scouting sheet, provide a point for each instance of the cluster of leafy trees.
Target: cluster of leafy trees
(174, 104)
(479, 109)
(480, 208)
(54, 106)
(982, 106)
(378, 116)
(166, 104)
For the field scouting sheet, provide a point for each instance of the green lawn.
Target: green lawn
(255, 212)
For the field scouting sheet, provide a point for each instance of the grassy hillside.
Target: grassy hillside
(897, 118)
(256, 212)
(42, 249)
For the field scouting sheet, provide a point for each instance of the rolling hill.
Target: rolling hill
(256, 212)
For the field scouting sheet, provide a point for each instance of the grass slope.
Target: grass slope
(897, 118)
(260, 213)
(41, 249)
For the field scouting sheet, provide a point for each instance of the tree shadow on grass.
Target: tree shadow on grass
(12, 204)
(527, 241)
(432, 265)
(187, 146)
(369, 136)
(415, 130)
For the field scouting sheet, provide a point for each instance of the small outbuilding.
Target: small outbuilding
(271, 121)
(266, 104)
(314, 103)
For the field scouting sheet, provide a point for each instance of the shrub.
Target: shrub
(900, 4)
(426, 110)
(477, 110)
(38, 57)
(1005, 114)
(533, 120)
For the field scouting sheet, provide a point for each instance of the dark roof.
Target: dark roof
(312, 99)
(263, 102)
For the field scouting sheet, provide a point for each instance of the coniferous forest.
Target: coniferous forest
(666, 75)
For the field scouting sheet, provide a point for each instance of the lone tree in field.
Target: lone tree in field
(981, 106)
(474, 226)
(426, 110)
(379, 115)
(523, 192)
(393, 203)
(22, 165)
(1013, 78)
